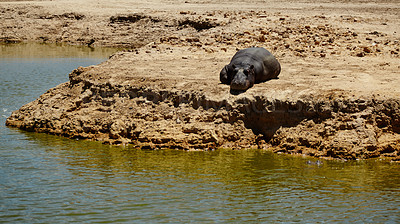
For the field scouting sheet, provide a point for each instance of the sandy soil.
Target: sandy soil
(337, 95)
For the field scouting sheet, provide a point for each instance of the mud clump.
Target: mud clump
(70, 16)
(199, 24)
(132, 18)
(124, 19)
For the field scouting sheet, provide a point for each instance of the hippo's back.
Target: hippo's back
(254, 53)
(266, 65)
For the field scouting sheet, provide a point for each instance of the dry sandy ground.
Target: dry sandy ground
(341, 59)
(355, 43)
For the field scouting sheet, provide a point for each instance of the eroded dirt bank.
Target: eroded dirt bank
(157, 107)
(337, 95)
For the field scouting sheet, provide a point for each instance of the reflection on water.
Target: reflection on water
(49, 179)
(38, 50)
(82, 180)
(29, 70)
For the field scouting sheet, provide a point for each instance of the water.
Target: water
(49, 179)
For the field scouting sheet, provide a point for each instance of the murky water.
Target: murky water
(49, 179)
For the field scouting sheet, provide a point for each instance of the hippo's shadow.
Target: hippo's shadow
(236, 92)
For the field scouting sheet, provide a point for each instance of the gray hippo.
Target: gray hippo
(249, 66)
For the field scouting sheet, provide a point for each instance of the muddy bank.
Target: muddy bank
(153, 107)
(307, 28)
(337, 95)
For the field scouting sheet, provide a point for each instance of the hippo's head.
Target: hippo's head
(243, 77)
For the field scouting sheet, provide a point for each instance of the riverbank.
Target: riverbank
(337, 95)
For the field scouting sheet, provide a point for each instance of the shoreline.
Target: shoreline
(336, 96)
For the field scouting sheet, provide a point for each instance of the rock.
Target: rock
(192, 39)
(261, 38)
(367, 50)
(360, 54)
(118, 129)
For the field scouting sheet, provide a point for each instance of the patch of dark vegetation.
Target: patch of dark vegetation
(131, 18)
(199, 24)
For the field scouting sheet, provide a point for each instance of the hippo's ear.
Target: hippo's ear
(224, 75)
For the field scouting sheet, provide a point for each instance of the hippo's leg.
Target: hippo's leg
(272, 68)
(224, 76)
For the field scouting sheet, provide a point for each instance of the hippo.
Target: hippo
(249, 66)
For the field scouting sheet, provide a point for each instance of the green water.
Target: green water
(49, 179)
